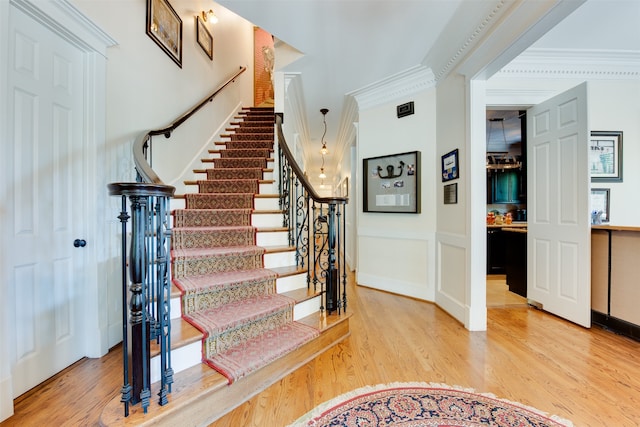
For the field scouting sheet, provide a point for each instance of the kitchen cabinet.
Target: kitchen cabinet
(516, 263)
(496, 251)
(505, 186)
(615, 292)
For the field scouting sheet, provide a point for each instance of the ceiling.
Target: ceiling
(346, 45)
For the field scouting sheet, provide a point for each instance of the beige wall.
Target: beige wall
(396, 251)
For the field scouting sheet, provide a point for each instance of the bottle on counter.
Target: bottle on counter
(507, 218)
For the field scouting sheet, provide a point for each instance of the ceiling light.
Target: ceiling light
(322, 175)
(324, 150)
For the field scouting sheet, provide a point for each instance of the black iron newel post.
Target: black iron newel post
(332, 272)
(140, 363)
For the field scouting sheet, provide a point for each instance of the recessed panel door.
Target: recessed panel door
(44, 204)
(558, 243)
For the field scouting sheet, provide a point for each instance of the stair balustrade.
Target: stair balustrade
(146, 288)
(316, 228)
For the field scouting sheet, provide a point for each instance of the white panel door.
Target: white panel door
(558, 185)
(45, 201)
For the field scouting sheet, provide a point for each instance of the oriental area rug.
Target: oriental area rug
(424, 405)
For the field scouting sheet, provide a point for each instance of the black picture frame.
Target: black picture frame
(450, 166)
(391, 183)
(605, 156)
(164, 26)
(204, 37)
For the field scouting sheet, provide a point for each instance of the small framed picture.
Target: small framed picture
(599, 205)
(450, 166)
(164, 26)
(204, 37)
(605, 156)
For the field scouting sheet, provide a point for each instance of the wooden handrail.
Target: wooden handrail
(142, 165)
(282, 143)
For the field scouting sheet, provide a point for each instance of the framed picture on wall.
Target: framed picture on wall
(392, 183)
(450, 166)
(164, 26)
(599, 205)
(204, 37)
(605, 156)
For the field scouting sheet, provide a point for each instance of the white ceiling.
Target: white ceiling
(346, 45)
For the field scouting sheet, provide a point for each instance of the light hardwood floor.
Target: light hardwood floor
(589, 376)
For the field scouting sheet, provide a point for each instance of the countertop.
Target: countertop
(613, 227)
(515, 224)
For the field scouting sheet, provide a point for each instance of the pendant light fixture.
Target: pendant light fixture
(323, 150)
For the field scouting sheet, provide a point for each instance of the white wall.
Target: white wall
(396, 251)
(147, 90)
(615, 106)
(452, 240)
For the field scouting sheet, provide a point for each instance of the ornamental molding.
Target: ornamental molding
(484, 25)
(397, 86)
(573, 64)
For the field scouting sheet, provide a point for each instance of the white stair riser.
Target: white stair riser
(291, 283)
(279, 259)
(176, 308)
(181, 358)
(266, 203)
(306, 308)
(272, 238)
(266, 220)
(268, 188)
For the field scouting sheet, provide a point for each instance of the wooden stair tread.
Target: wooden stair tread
(270, 159)
(267, 211)
(323, 321)
(182, 333)
(271, 229)
(200, 395)
(302, 294)
(278, 249)
(290, 270)
(205, 170)
(260, 181)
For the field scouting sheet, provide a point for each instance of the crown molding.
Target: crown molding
(397, 86)
(574, 64)
(452, 45)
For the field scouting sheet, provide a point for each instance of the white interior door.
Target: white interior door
(558, 185)
(45, 199)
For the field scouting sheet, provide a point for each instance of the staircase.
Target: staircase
(239, 302)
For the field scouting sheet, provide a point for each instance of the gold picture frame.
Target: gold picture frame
(164, 26)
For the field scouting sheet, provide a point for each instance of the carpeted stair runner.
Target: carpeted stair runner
(226, 291)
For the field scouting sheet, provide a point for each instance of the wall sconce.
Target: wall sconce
(209, 16)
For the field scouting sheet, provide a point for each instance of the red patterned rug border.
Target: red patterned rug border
(312, 418)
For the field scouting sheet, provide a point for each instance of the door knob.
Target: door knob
(79, 243)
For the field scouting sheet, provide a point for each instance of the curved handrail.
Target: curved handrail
(142, 165)
(282, 143)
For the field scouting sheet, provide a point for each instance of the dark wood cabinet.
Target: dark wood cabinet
(496, 251)
(516, 262)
